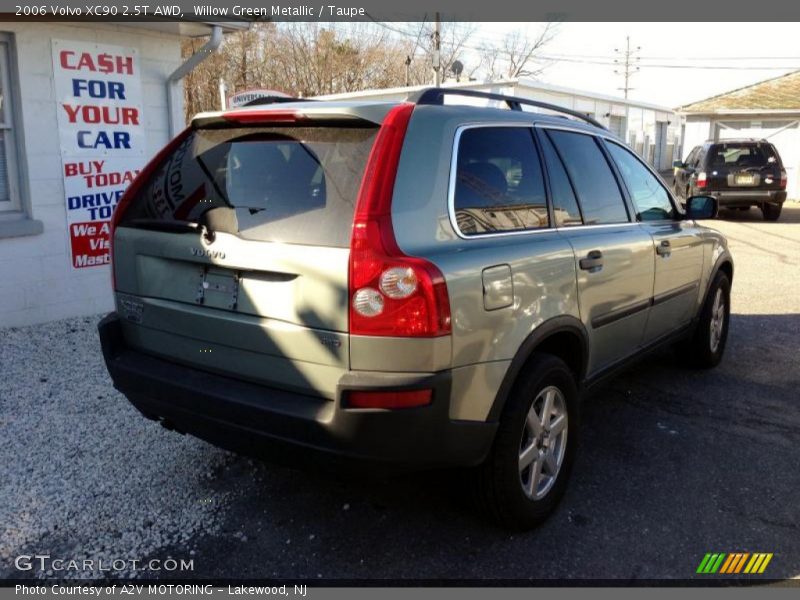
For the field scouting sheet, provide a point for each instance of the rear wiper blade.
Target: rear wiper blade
(161, 225)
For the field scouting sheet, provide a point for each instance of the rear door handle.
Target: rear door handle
(664, 249)
(593, 261)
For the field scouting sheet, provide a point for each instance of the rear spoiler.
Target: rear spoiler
(311, 113)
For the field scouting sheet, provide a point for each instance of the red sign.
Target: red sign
(90, 244)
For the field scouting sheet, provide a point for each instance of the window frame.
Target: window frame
(451, 186)
(626, 191)
(599, 139)
(16, 220)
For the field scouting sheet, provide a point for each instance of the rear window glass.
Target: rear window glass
(741, 155)
(285, 184)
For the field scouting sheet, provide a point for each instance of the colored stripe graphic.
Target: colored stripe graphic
(711, 563)
(728, 564)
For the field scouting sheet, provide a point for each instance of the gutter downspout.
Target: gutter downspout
(173, 99)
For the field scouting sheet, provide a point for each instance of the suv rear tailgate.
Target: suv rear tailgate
(290, 320)
(743, 166)
(233, 255)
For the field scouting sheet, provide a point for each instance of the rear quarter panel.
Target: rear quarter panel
(542, 263)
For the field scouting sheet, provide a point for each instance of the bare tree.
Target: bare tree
(517, 55)
(311, 59)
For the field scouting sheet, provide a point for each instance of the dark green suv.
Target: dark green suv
(738, 173)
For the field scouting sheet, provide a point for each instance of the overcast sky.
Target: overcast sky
(745, 49)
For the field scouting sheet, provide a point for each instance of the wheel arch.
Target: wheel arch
(725, 264)
(564, 337)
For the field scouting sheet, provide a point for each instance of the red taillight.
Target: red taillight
(701, 179)
(784, 179)
(144, 175)
(388, 399)
(391, 294)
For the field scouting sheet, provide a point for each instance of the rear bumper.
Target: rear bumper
(260, 421)
(734, 198)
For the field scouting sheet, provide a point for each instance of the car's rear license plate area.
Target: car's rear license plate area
(744, 179)
(218, 288)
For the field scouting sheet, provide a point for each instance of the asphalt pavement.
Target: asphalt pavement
(674, 463)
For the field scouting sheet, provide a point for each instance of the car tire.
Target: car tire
(707, 345)
(771, 212)
(526, 472)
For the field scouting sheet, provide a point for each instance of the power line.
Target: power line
(643, 65)
(642, 61)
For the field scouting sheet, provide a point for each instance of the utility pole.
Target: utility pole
(437, 53)
(223, 100)
(627, 62)
(408, 70)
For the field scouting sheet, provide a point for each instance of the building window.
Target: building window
(9, 194)
(14, 214)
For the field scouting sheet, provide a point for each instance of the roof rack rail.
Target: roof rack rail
(436, 96)
(275, 100)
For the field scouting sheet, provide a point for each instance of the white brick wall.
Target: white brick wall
(37, 282)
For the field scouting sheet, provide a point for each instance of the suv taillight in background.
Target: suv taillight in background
(391, 294)
(784, 179)
(701, 179)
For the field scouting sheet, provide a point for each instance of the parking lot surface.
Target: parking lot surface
(674, 463)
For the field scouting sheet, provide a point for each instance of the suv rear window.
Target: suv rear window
(741, 155)
(285, 184)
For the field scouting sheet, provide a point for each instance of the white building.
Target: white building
(653, 131)
(769, 109)
(82, 107)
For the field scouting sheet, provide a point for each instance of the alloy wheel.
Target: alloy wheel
(717, 323)
(544, 442)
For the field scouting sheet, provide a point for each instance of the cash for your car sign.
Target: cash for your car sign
(99, 95)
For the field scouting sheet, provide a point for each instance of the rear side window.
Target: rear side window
(565, 204)
(691, 160)
(741, 155)
(648, 195)
(499, 186)
(284, 184)
(599, 195)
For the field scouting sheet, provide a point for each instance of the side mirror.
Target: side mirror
(677, 164)
(702, 207)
